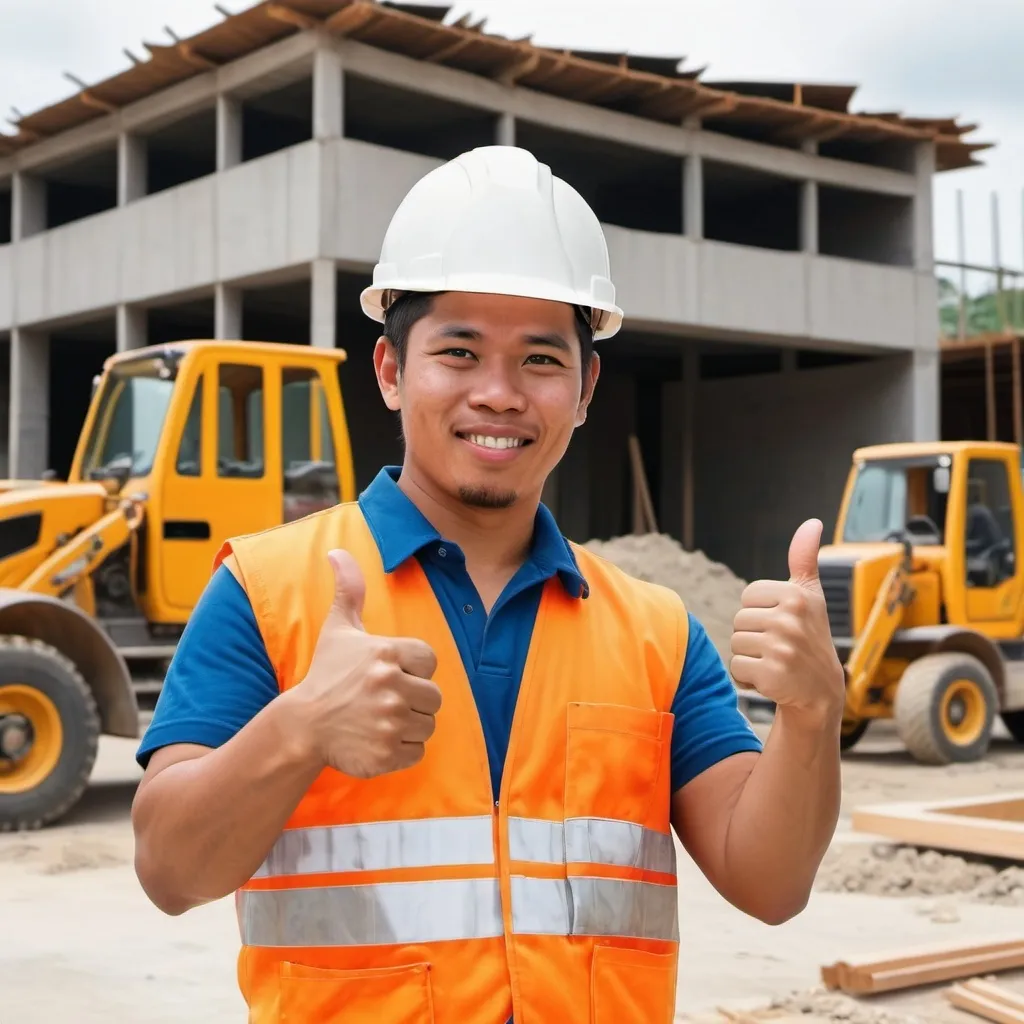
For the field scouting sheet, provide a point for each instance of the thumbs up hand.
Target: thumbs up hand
(368, 701)
(782, 645)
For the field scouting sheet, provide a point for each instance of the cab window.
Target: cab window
(307, 445)
(240, 450)
(988, 534)
(190, 448)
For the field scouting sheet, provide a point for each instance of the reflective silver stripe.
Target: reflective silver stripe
(591, 841)
(367, 915)
(594, 906)
(377, 846)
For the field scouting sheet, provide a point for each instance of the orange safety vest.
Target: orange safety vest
(413, 897)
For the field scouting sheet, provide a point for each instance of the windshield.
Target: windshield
(892, 497)
(129, 419)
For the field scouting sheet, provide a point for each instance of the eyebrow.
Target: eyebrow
(550, 340)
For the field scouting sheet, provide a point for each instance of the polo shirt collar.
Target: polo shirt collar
(401, 531)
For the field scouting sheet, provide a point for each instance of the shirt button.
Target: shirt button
(442, 552)
(468, 609)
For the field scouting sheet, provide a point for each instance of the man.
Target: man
(436, 750)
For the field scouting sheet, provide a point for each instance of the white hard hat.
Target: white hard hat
(496, 220)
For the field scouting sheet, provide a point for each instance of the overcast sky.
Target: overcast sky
(921, 57)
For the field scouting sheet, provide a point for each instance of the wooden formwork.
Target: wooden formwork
(991, 826)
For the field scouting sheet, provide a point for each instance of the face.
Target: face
(490, 394)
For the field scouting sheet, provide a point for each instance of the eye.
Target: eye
(459, 353)
(544, 360)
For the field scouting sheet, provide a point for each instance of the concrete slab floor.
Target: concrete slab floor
(84, 943)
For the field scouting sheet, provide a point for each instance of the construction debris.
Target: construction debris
(908, 969)
(711, 591)
(989, 1001)
(887, 869)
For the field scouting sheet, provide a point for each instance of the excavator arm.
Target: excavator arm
(885, 617)
(86, 550)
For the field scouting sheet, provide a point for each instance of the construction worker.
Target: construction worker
(435, 750)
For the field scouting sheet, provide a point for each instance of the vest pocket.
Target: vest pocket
(632, 986)
(315, 995)
(618, 763)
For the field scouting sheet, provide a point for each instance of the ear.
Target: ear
(589, 383)
(385, 364)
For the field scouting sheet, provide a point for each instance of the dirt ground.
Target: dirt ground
(83, 944)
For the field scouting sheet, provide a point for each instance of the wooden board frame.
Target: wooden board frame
(991, 825)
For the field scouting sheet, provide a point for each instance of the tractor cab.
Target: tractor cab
(214, 438)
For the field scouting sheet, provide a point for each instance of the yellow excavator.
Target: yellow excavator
(183, 445)
(924, 584)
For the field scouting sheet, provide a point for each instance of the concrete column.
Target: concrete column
(132, 328)
(29, 410)
(28, 206)
(506, 130)
(809, 207)
(227, 313)
(132, 162)
(693, 197)
(925, 386)
(323, 303)
(691, 383)
(924, 172)
(328, 94)
(229, 132)
(670, 511)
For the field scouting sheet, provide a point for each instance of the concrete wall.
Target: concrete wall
(774, 450)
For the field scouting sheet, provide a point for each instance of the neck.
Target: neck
(494, 540)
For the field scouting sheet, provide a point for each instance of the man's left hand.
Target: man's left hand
(782, 645)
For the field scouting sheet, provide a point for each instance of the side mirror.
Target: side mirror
(940, 479)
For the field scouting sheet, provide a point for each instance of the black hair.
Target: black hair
(409, 307)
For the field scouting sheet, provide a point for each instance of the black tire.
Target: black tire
(1014, 722)
(927, 730)
(852, 733)
(37, 665)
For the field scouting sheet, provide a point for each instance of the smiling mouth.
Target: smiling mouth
(488, 441)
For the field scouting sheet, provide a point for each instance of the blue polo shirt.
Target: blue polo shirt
(221, 676)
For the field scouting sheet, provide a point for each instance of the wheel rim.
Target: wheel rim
(31, 738)
(963, 712)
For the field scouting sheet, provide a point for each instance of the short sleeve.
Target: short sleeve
(709, 725)
(220, 676)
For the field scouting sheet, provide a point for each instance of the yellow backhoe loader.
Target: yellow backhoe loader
(184, 445)
(924, 583)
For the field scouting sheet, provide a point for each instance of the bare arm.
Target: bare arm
(758, 825)
(205, 819)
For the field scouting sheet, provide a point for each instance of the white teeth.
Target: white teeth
(486, 441)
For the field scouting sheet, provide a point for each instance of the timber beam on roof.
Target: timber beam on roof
(653, 88)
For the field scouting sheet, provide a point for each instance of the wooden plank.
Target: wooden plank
(991, 1009)
(990, 826)
(997, 993)
(908, 969)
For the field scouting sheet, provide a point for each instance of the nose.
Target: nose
(497, 387)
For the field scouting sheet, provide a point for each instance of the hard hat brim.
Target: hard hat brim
(607, 321)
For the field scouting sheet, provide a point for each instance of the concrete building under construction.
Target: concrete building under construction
(773, 252)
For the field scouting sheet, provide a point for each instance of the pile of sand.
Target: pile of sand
(711, 590)
(833, 1006)
(884, 869)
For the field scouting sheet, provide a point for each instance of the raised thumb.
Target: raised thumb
(349, 588)
(803, 553)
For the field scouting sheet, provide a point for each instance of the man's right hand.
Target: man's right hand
(368, 700)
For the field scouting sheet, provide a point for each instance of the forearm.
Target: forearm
(203, 826)
(784, 818)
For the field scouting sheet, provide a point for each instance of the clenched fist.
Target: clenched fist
(368, 701)
(781, 644)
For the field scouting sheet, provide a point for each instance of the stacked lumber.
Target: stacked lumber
(990, 1002)
(906, 969)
